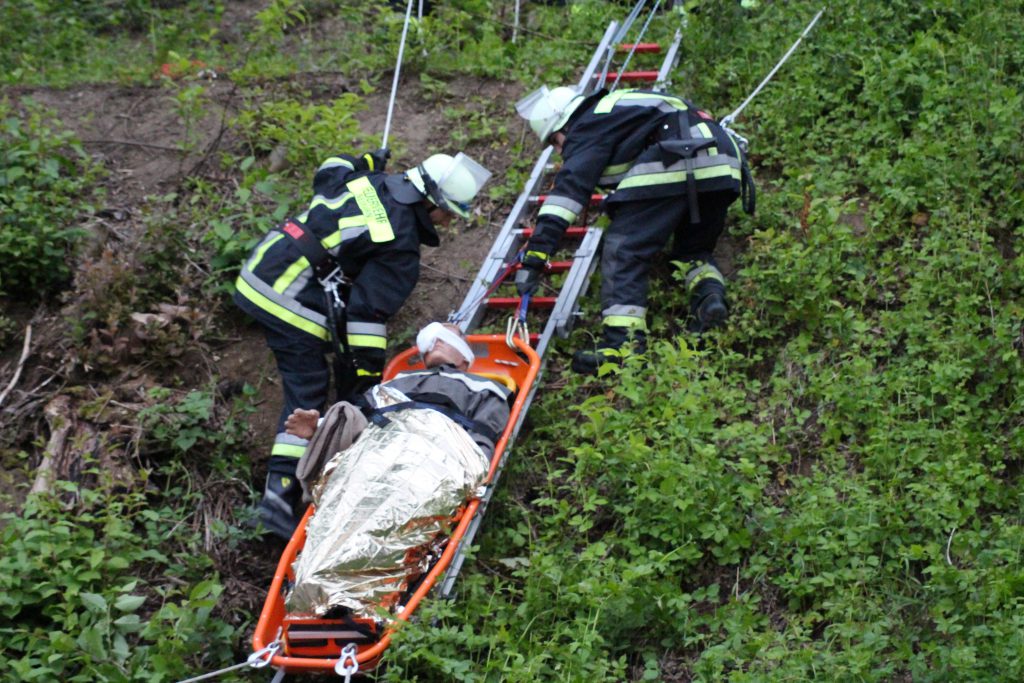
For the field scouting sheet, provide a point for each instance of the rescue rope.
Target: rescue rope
(398, 71)
(256, 660)
(620, 33)
(515, 26)
(636, 41)
(732, 117)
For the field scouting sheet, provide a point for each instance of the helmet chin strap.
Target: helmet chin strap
(433, 191)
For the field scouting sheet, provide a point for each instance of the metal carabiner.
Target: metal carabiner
(513, 328)
(348, 665)
(256, 659)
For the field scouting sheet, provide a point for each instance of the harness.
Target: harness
(329, 274)
(686, 149)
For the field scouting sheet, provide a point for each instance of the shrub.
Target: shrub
(45, 184)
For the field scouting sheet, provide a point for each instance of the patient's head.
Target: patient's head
(442, 343)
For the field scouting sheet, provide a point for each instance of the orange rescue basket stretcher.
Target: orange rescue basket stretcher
(322, 640)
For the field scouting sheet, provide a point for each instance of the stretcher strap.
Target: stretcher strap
(470, 425)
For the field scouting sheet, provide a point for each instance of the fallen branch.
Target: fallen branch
(61, 420)
(21, 363)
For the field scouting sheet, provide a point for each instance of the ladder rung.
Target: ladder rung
(553, 266)
(513, 302)
(640, 47)
(574, 231)
(630, 76)
(594, 198)
(559, 266)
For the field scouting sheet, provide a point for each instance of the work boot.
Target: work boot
(281, 497)
(616, 343)
(707, 306)
(711, 312)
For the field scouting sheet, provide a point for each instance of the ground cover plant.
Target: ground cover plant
(828, 489)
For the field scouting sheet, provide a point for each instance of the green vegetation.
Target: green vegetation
(54, 43)
(109, 581)
(45, 183)
(829, 489)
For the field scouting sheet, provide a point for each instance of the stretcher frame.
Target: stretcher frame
(494, 357)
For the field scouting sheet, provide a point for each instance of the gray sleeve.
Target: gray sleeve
(492, 412)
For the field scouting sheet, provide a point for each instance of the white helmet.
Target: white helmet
(549, 110)
(450, 182)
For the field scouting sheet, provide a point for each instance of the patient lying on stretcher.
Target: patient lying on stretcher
(389, 485)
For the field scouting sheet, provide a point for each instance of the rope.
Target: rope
(515, 26)
(732, 117)
(636, 41)
(398, 71)
(620, 33)
(256, 660)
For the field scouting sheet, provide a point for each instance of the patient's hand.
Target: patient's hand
(302, 423)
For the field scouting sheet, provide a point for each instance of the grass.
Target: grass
(829, 489)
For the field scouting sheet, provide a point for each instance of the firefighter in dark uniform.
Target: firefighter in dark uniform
(670, 171)
(327, 281)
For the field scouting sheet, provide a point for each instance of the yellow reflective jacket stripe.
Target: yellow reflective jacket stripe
(278, 311)
(705, 131)
(664, 178)
(286, 278)
(609, 101)
(372, 209)
(371, 341)
(331, 203)
(257, 255)
(334, 162)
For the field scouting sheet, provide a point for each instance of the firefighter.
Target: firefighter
(327, 281)
(670, 171)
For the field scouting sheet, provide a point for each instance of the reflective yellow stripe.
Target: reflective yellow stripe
(278, 311)
(258, 254)
(609, 101)
(539, 254)
(617, 169)
(564, 214)
(330, 204)
(706, 132)
(351, 222)
(371, 341)
(632, 322)
(288, 450)
(334, 162)
(366, 373)
(371, 207)
(286, 278)
(678, 177)
(706, 275)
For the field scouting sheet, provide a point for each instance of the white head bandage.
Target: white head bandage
(433, 332)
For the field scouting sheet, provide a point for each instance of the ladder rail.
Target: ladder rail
(564, 314)
(669, 62)
(504, 248)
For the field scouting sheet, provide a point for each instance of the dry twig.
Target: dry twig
(21, 363)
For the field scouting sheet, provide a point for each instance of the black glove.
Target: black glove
(532, 265)
(377, 160)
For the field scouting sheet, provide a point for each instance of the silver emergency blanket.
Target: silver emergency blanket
(378, 504)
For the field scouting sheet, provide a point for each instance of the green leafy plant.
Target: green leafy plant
(45, 184)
